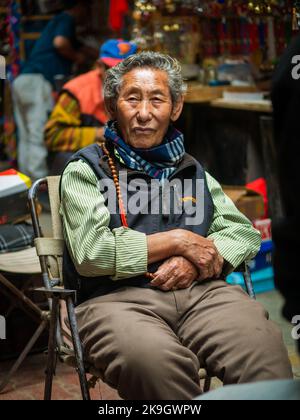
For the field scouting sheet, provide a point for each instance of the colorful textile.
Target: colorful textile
(117, 11)
(64, 131)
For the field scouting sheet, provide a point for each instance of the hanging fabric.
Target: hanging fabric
(118, 9)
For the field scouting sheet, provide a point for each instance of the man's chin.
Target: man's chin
(142, 143)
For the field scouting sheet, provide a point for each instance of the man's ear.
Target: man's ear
(110, 107)
(177, 109)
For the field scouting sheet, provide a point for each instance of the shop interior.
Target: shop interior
(228, 51)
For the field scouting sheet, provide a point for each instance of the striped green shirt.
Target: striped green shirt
(121, 253)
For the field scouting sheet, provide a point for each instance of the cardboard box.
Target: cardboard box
(263, 280)
(265, 228)
(249, 202)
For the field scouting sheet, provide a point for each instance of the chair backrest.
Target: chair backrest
(50, 249)
(53, 191)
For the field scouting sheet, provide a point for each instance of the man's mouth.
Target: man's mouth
(140, 130)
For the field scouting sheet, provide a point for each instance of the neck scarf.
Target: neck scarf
(158, 162)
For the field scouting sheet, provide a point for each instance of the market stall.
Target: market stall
(229, 51)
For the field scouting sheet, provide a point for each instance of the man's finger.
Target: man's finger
(158, 279)
(162, 275)
(170, 284)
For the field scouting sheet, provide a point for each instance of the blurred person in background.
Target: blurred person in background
(53, 54)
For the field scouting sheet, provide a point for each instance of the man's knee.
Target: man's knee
(154, 372)
(261, 353)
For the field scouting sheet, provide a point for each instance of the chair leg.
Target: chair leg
(52, 345)
(248, 283)
(78, 349)
(24, 353)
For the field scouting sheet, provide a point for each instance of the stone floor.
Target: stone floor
(28, 382)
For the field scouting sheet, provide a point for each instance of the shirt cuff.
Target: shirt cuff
(232, 252)
(131, 253)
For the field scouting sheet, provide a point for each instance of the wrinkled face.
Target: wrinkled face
(144, 108)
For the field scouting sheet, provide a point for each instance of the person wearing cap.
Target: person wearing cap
(79, 116)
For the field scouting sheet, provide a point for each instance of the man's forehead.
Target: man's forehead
(146, 79)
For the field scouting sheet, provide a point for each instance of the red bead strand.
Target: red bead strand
(114, 172)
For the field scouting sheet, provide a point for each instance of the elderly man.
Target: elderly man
(154, 305)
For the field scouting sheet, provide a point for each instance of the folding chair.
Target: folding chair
(50, 252)
(21, 263)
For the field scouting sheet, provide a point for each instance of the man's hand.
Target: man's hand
(175, 273)
(201, 252)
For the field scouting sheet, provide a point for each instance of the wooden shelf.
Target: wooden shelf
(30, 35)
(34, 18)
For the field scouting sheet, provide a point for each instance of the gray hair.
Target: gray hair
(150, 59)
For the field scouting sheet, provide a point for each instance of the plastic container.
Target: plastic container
(263, 280)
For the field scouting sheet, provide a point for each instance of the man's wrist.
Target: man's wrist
(178, 241)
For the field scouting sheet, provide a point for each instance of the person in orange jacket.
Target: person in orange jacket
(79, 115)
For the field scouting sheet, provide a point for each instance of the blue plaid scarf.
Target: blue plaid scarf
(158, 162)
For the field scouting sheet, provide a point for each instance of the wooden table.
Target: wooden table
(264, 106)
(197, 93)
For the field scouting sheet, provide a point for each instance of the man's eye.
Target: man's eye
(132, 99)
(157, 100)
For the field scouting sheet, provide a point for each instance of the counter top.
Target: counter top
(213, 96)
(255, 106)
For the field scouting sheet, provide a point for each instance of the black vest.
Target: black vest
(188, 186)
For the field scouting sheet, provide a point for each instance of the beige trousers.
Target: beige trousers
(150, 344)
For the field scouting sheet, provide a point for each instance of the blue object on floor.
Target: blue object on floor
(263, 280)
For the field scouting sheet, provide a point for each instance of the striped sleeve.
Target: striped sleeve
(63, 131)
(94, 248)
(233, 234)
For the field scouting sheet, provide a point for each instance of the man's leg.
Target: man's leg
(135, 348)
(231, 334)
(19, 101)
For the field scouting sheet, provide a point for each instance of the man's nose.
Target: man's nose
(144, 111)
